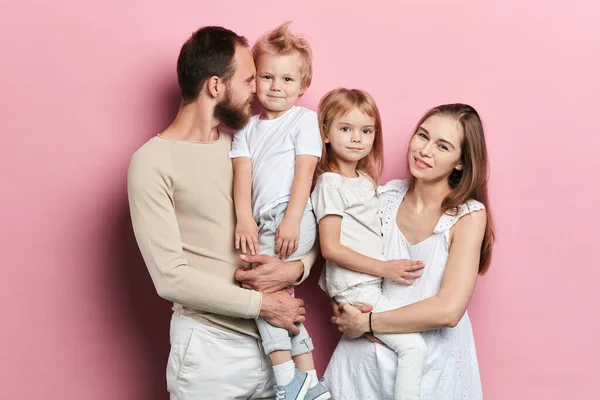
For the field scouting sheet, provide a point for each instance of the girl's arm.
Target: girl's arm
(288, 232)
(442, 310)
(330, 228)
(246, 231)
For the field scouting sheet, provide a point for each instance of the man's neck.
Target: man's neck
(194, 122)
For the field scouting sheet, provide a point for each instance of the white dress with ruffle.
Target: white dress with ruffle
(360, 370)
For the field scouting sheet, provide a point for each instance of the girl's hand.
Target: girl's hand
(402, 270)
(336, 308)
(246, 235)
(287, 238)
(351, 322)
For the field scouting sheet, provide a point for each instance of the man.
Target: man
(180, 196)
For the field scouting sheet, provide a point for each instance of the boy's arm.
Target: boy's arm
(288, 232)
(246, 231)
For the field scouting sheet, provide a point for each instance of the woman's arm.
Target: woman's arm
(330, 228)
(442, 310)
(246, 231)
(288, 232)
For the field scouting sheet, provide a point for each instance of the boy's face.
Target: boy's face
(278, 81)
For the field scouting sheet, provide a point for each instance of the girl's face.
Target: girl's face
(435, 149)
(351, 137)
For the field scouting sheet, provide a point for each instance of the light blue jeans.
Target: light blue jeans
(275, 338)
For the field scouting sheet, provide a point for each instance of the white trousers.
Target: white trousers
(209, 363)
(409, 347)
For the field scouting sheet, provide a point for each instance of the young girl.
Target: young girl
(346, 208)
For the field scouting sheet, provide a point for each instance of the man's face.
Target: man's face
(234, 110)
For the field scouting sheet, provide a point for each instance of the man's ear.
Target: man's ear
(215, 86)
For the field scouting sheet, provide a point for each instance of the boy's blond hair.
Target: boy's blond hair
(280, 41)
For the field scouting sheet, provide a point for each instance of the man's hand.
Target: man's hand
(287, 237)
(246, 235)
(402, 270)
(271, 275)
(282, 310)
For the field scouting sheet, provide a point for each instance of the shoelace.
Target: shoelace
(280, 395)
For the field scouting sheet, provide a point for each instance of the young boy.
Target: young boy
(274, 159)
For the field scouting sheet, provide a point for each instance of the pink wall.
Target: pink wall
(82, 86)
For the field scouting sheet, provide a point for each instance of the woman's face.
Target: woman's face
(435, 149)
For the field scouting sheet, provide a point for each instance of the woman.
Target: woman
(440, 216)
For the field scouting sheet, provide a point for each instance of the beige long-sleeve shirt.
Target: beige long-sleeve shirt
(181, 202)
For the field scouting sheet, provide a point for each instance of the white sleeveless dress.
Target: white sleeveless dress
(359, 369)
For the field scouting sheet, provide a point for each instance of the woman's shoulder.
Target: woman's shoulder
(395, 187)
(390, 195)
(451, 217)
(465, 208)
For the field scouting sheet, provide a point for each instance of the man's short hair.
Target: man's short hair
(208, 52)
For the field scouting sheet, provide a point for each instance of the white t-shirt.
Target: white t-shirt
(354, 199)
(273, 146)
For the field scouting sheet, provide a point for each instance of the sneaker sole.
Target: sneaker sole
(304, 388)
(324, 396)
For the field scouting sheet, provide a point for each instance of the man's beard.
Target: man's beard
(232, 115)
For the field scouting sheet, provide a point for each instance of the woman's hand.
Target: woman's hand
(402, 270)
(363, 308)
(352, 322)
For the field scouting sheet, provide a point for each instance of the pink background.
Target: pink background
(84, 84)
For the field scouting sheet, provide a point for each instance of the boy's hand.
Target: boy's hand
(287, 237)
(246, 235)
